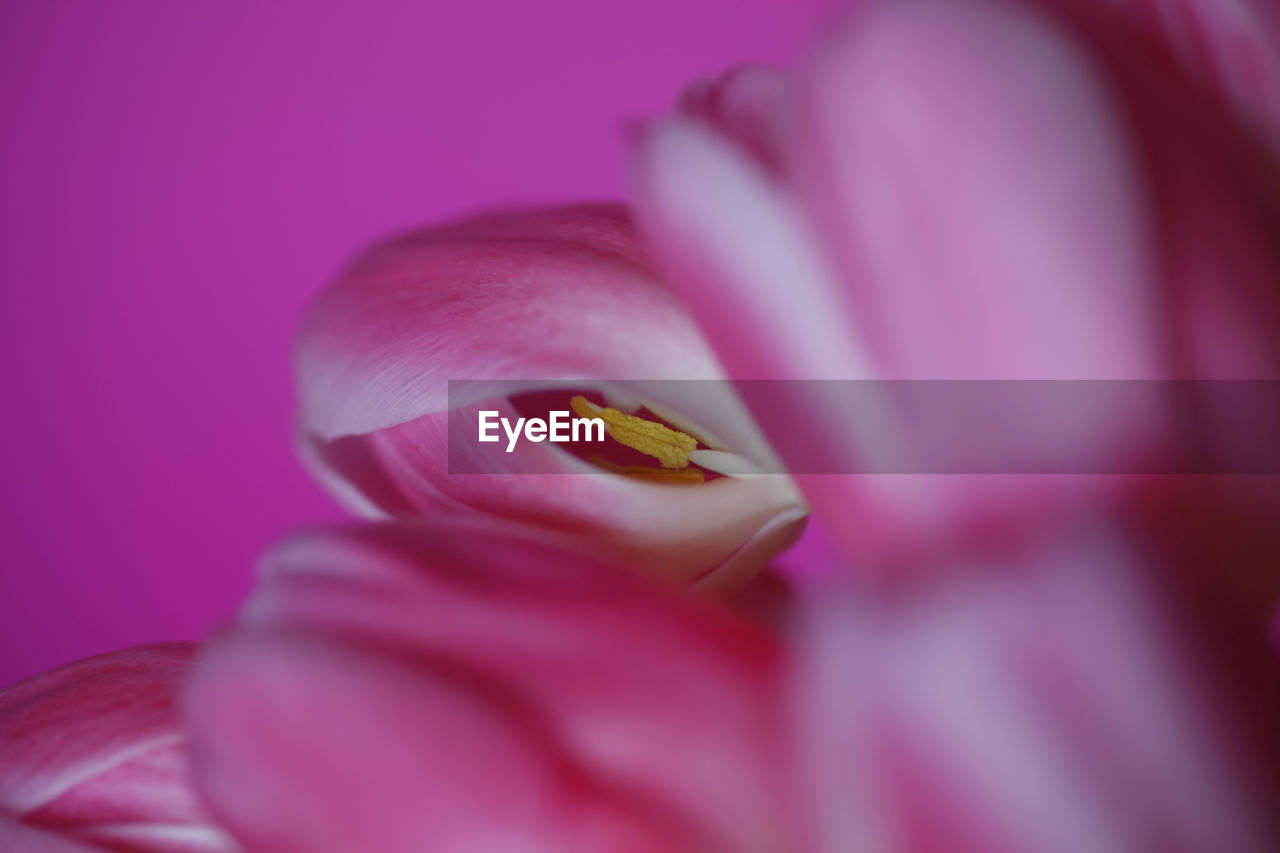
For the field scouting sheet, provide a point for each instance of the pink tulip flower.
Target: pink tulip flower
(418, 687)
(551, 301)
(980, 190)
(92, 758)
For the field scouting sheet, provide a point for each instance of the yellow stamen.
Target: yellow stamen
(670, 447)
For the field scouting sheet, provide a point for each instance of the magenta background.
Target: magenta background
(177, 179)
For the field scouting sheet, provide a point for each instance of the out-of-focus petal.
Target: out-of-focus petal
(980, 186)
(746, 105)
(314, 746)
(972, 191)
(1233, 45)
(498, 691)
(976, 183)
(956, 243)
(754, 274)
(1017, 193)
(19, 838)
(1036, 702)
(743, 257)
(91, 754)
(533, 300)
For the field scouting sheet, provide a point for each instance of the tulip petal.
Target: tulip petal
(979, 182)
(743, 258)
(615, 703)
(1037, 705)
(1232, 44)
(524, 297)
(92, 753)
(976, 182)
(745, 104)
(754, 275)
(29, 839)
(962, 198)
(976, 170)
(310, 746)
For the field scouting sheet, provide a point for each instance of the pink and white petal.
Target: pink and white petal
(974, 174)
(752, 272)
(1209, 174)
(1017, 246)
(314, 746)
(644, 691)
(742, 258)
(1211, 191)
(746, 105)
(92, 752)
(20, 838)
(529, 296)
(1210, 184)
(1232, 45)
(63, 728)
(1039, 704)
(1026, 194)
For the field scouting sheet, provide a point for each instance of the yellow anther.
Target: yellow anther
(670, 447)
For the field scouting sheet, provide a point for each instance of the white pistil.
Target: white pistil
(724, 462)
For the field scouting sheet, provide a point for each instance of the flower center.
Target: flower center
(669, 446)
(644, 441)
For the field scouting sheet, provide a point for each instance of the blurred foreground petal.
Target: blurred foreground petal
(92, 758)
(410, 686)
(973, 191)
(1048, 700)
